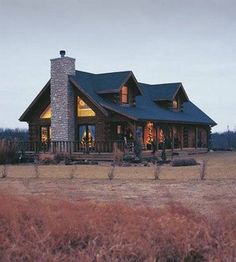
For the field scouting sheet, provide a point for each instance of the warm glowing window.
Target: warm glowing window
(47, 113)
(45, 134)
(124, 95)
(175, 104)
(149, 133)
(161, 136)
(83, 109)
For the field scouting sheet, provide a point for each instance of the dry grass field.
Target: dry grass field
(134, 184)
(75, 213)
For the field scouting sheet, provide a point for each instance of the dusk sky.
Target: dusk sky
(161, 41)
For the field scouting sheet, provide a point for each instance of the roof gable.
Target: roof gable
(44, 92)
(164, 92)
(110, 82)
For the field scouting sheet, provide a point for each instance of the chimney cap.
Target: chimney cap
(62, 53)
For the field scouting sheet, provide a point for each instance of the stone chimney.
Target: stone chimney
(62, 99)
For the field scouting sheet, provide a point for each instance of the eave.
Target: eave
(24, 115)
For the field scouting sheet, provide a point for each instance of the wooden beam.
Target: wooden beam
(182, 137)
(196, 137)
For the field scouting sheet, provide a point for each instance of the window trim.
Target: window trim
(124, 93)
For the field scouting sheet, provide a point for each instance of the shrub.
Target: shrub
(111, 172)
(62, 157)
(72, 171)
(8, 152)
(117, 155)
(46, 158)
(203, 169)
(46, 230)
(157, 171)
(184, 162)
(128, 158)
(138, 149)
(36, 170)
(4, 171)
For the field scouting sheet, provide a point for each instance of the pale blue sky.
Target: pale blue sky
(193, 42)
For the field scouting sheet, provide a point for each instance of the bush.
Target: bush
(184, 162)
(8, 152)
(62, 157)
(46, 159)
(46, 230)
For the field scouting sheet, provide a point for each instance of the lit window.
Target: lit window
(83, 109)
(124, 95)
(47, 113)
(45, 133)
(118, 129)
(175, 104)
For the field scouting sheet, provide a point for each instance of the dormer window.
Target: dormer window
(175, 104)
(124, 98)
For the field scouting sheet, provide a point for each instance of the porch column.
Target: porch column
(157, 132)
(196, 137)
(172, 138)
(182, 137)
(208, 131)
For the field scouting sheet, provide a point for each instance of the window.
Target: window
(118, 130)
(87, 134)
(124, 95)
(47, 113)
(175, 104)
(45, 134)
(83, 109)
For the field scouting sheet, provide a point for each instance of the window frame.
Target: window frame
(124, 93)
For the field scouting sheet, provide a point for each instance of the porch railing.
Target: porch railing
(71, 147)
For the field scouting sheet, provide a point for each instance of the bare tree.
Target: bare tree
(36, 168)
(111, 172)
(157, 171)
(203, 169)
(72, 171)
(4, 171)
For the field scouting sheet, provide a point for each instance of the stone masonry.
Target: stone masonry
(62, 99)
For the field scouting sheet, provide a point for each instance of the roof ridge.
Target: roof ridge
(115, 72)
(80, 71)
(153, 85)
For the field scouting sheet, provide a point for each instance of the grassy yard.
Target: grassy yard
(134, 184)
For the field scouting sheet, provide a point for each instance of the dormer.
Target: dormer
(120, 88)
(170, 96)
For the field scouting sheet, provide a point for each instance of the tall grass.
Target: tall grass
(8, 151)
(44, 230)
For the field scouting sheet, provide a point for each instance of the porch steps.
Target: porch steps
(93, 156)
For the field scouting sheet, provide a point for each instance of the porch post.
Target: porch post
(172, 136)
(196, 137)
(172, 144)
(182, 137)
(157, 140)
(208, 130)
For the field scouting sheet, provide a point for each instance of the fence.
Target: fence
(72, 147)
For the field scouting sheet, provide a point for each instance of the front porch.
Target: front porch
(102, 151)
(100, 139)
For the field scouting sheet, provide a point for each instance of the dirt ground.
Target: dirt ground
(134, 185)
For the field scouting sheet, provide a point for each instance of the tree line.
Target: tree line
(16, 133)
(224, 141)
